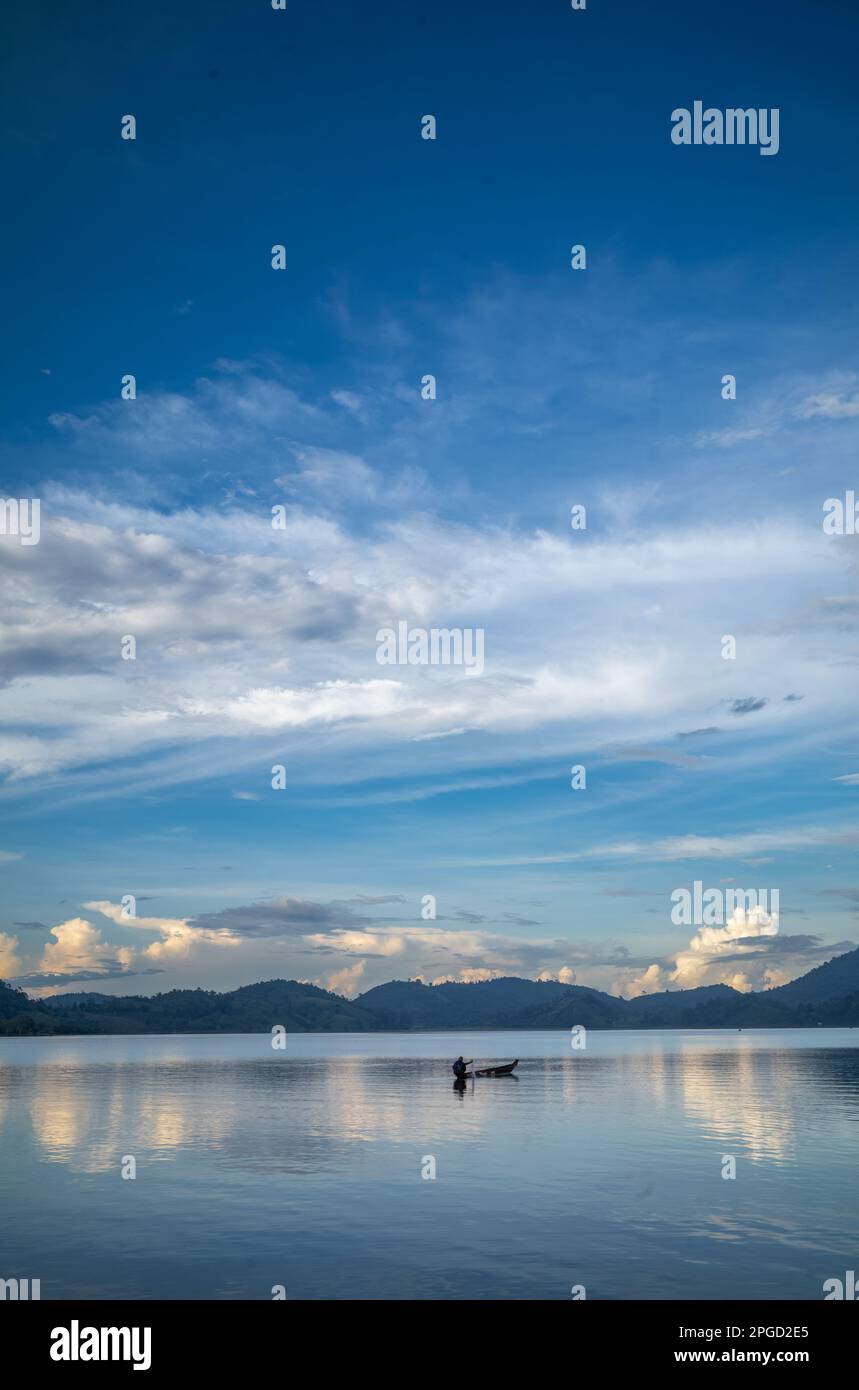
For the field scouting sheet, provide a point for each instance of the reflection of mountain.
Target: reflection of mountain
(828, 995)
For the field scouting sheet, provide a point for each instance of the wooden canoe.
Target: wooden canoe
(504, 1070)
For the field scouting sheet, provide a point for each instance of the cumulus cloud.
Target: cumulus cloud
(80, 952)
(78, 945)
(746, 953)
(10, 962)
(469, 975)
(346, 981)
(651, 981)
(738, 936)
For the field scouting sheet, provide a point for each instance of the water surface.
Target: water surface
(257, 1167)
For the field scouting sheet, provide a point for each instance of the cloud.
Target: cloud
(10, 962)
(831, 405)
(652, 981)
(746, 953)
(41, 983)
(695, 966)
(79, 951)
(468, 976)
(346, 981)
(363, 943)
(223, 416)
(727, 438)
(439, 733)
(198, 588)
(670, 756)
(178, 938)
(373, 900)
(331, 470)
(693, 846)
(464, 942)
(279, 707)
(79, 946)
(750, 705)
(282, 917)
(564, 976)
(350, 400)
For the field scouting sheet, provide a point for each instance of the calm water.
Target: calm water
(303, 1167)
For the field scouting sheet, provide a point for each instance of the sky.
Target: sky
(282, 489)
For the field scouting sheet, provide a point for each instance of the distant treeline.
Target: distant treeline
(827, 996)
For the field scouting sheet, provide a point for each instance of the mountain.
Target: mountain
(678, 1000)
(21, 1016)
(75, 998)
(578, 1005)
(828, 995)
(407, 1004)
(839, 977)
(299, 1008)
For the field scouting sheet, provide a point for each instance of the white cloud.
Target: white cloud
(830, 404)
(331, 470)
(679, 847)
(733, 954)
(242, 630)
(653, 980)
(700, 963)
(10, 961)
(78, 946)
(350, 400)
(564, 976)
(469, 975)
(347, 981)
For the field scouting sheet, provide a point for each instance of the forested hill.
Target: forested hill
(828, 995)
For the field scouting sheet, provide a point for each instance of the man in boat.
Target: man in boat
(460, 1068)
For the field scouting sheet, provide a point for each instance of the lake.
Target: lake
(303, 1167)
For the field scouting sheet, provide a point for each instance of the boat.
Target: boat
(504, 1070)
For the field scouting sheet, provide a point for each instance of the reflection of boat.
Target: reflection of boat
(503, 1070)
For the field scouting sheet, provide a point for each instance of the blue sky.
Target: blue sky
(259, 388)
